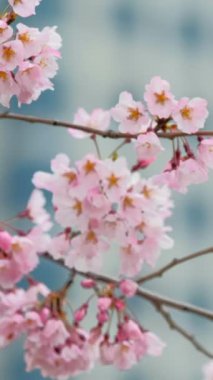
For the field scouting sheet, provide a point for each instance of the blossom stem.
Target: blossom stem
(109, 134)
(93, 138)
(152, 297)
(174, 326)
(173, 263)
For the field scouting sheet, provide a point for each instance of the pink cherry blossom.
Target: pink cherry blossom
(32, 82)
(8, 87)
(130, 256)
(36, 212)
(59, 246)
(11, 328)
(154, 344)
(130, 115)
(50, 38)
(208, 370)
(107, 352)
(17, 312)
(130, 346)
(205, 150)
(11, 55)
(128, 287)
(114, 176)
(98, 119)
(189, 171)
(18, 259)
(24, 8)
(59, 351)
(104, 303)
(86, 250)
(160, 101)
(88, 283)
(148, 146)
(190, 115)
(5, 241)
(30, 38)
(80, 313)
(5, 31)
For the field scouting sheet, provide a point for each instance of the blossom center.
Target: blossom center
(161, 98)
(112, 181)
(147, 192)
(24, 37)
(89, 166)
(77, 207)
(134, 114)
(3, 75)
(128, 202)
(186, 113)
(16, 2)
(8, 53)
(71, 176)
(91, 237)
(2, 30)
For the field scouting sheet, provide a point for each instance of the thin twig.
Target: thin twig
(174, 326)
(124, 142)
(93, 138)
(110, 133)
(174, 263)
(144, 293)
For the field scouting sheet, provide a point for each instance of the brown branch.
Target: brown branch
(110, 133)
(174, 263)
(174, 326)
(152, 297)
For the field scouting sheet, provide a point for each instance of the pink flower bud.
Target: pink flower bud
(80, 313)
(119, 304)
(88, 283)
(102, 316)
(5, 240)
(104, 303)
(128, 287)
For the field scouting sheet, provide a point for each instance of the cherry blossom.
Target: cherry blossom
(190, 115)
(128, 287)
(24, 8)
(58, 351)
(148, 146)
(208, 371)
(11, 55)
(99, 119)
(130, 114)
(6, 31)
(97, 204)
(160, 101)
(205, 150)
(18, 257)
(36, 212)
(8, 87)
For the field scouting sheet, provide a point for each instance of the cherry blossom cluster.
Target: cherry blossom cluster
(61, 348)
(28, 57)
(161, 112)
(101, 208)
(101, 201)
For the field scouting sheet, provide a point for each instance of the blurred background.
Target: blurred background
(110, 46)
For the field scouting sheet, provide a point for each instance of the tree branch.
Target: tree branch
(174, 326)
(152, 297)
(174, 263)
(109, 133)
